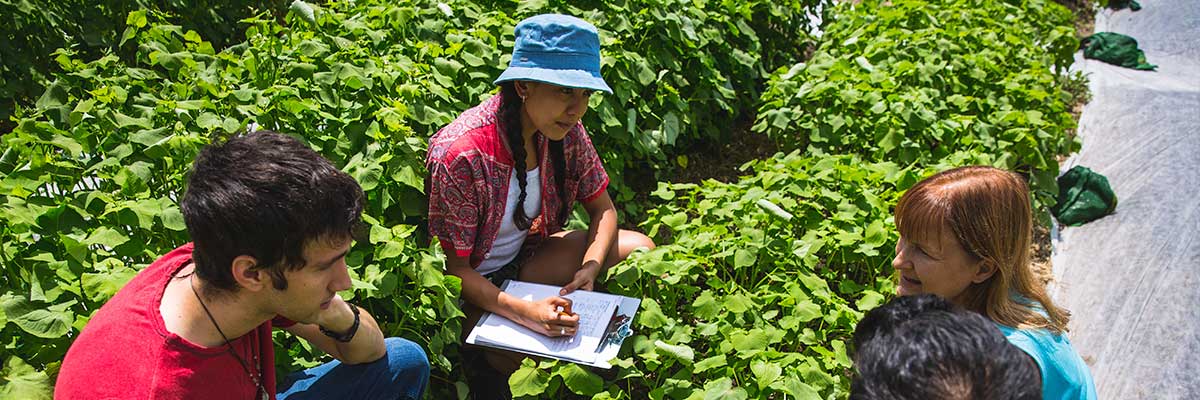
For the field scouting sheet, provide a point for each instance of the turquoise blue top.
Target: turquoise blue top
(1064, 375)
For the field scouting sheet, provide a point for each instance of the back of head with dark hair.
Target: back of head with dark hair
(888, 317)
(264, 195)
(922, 347)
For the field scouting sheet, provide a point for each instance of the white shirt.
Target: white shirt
(509, 240)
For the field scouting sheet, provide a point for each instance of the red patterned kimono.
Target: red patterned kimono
(469, 168)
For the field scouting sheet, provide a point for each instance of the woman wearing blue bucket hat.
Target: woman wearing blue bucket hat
(526, 146)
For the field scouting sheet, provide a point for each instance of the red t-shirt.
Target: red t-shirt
(126, 352)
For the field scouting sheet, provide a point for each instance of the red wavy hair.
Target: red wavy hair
(988, 211)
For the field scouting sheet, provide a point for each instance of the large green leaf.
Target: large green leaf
(750, 343)
(579, 380)
(738, 303)
(869, 300)
(743, 258)
(38, 320)
(528, 380)
(766, 373)
(723, 389)
(681, 352)
(651, 315)
(807, 311)
(18, 380)
(106, 236)
(716, 361)
(100, 287)
(795, 387)
(303, 10)
(172, 218)
(706, 306)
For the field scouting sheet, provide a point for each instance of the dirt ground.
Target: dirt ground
(1043, 269)
(720, 160)
(1085, 22)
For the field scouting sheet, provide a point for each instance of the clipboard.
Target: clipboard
(495, 331)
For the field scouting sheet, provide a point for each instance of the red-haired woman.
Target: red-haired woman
(965, 234)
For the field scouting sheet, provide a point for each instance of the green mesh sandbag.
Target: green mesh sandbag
(1083, 196)
(1116, 49)
(1132, 5)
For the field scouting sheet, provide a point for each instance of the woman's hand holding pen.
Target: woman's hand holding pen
(551, 316)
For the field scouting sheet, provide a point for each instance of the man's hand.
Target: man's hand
(365, 346)
(337, 317)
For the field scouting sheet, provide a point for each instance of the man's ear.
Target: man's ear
(247, 275)
(983, 271)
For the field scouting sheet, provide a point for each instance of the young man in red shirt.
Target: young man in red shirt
(271, 224)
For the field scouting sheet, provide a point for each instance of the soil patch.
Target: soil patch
(1043, 269)
(1085, 24)
(717, 159)
(1085, 13)
(722, 160)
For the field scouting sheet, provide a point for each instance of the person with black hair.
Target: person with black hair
(886, 318)
(271, 222)
(924, 347)
(504, 176)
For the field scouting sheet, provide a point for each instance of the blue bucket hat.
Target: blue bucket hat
(557, 49)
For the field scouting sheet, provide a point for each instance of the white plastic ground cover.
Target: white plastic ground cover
(1132, 279)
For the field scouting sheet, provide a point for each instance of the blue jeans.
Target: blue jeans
(402, 374)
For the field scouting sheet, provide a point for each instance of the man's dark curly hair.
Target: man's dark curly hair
(265, 195)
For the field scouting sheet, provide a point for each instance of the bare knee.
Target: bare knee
(628, 241)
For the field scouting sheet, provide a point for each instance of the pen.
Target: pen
(608, 331)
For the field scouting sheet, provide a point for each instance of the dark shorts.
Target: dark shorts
(508, 271)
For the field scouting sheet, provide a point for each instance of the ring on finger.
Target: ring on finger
(562, 331)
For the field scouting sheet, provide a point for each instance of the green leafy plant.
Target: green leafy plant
(92, 173)
(913, 82)
(36, 28)
(92, 179)
(759, 288)
(682, 72)
(756, 285)
(760, 282)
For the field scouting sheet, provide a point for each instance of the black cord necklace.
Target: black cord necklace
(229, 347)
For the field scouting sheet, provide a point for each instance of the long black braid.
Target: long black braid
(560, 178)
(510, 121)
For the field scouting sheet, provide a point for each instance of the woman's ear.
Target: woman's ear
(984, 271)
(522, 88)
(246, 275)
